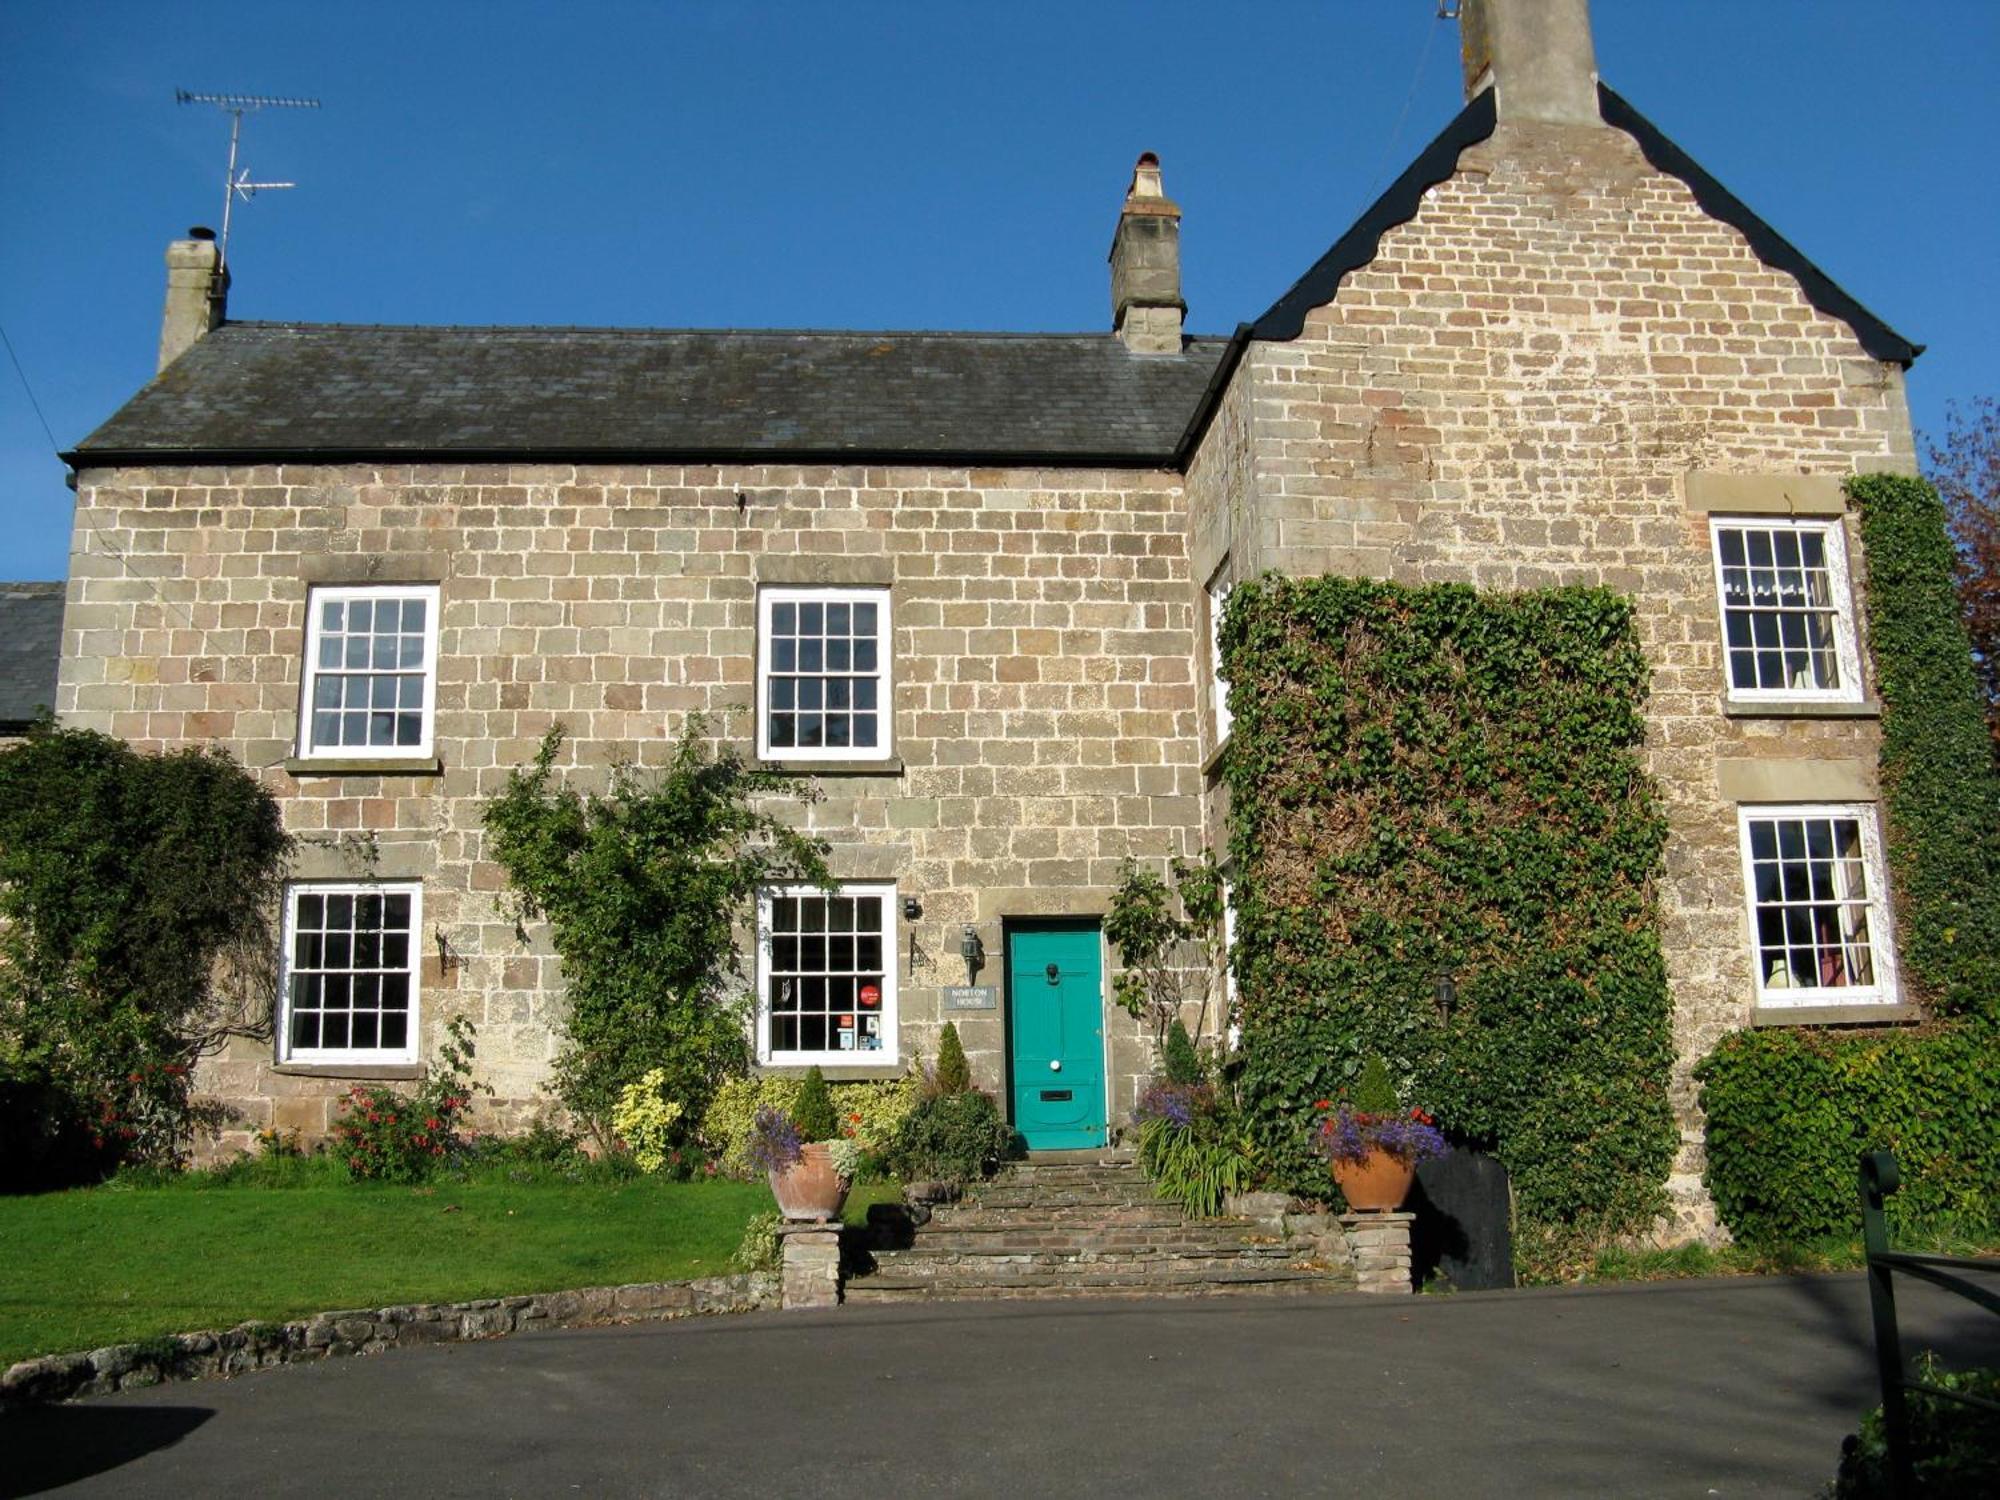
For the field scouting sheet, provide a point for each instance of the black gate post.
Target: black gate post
(1879, 1178)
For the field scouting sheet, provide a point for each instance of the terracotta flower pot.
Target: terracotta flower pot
(810, 1189)
(1379, 1181)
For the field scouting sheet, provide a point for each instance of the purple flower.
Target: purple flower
(774, 1141)
(1348, 1135)
(1179, 1104)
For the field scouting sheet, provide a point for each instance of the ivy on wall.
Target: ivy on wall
(1428, 783)
(1790, 1112)
(1939, 791)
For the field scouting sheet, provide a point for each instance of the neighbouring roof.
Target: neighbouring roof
(30, 647)
(326, 392)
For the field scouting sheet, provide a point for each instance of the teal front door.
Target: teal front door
(1055, 1032)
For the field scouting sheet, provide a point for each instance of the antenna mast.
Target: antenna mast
(236, 183)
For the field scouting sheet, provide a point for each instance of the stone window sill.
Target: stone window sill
(364, 1072)
(1213, 765)
(1738, 708)
(416, 765)
(893, 766)
(1835, 1015)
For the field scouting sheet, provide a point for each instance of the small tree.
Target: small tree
(1168, 933)
(645, 887)
(137, 903)
(1965, 467)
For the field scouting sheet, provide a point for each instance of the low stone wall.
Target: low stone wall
(1376, 1245)
(260, 1346)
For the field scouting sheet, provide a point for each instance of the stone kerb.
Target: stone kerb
(262, 1346)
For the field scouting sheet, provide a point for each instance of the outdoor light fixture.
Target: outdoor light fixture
(912, 908)
(970, 950)
(1447, 995)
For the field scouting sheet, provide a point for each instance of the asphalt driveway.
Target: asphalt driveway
(1725, 1388)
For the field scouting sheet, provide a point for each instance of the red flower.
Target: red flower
(1323, 1104)
(431, 1122)
(135, 1078)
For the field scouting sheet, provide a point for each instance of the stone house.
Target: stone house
(968, 583)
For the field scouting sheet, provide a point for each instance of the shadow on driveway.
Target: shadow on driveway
(43, 1447)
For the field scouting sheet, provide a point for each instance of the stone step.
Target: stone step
(924, 1258)
(1038, 1195)
(1116, 1216)
(1103, 1282)
(1080, 1240)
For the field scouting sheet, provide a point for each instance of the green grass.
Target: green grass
(1740, 1260)
(126, 1261)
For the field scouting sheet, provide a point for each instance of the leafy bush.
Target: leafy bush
(137, 898)
(1939, 788)
(761, 1247)
(1181, 1061)
(1954, 1448)
(951, 1138)
(391, 1137)
(45, 1140)
(1790, 1112)
(812, 1111)
(1428, 781)
(644, 887)
(649, 1123)
(1192, 1145)
(868, 1113)
(954, 1072)
(1374, 1092)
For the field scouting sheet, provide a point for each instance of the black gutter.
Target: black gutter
(1773, 249)
(902, 458)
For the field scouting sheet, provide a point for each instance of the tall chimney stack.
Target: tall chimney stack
(197, 293)
(1146, 306)
(1536, 55)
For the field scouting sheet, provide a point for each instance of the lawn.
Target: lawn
(95, 1266)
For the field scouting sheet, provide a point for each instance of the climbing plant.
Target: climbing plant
(645, 887)
(138, 903)
(1435, 784)
(1940, 794)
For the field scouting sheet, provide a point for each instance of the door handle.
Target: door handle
(1055, 1065)
(1055, 974)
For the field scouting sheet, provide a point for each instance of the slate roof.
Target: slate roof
(30, 647)
(326, 392)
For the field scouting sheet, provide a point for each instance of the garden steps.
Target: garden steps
(1087, 1225)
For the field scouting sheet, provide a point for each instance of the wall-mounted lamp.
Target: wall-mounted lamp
(970, 949)
(912, 908)
(1447, 995)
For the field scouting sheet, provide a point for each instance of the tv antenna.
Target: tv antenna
(236, 181)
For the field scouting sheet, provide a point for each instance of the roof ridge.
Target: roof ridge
(1107, 336)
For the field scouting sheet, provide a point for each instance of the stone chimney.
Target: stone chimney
(197, 293)
(1146, 306)
(1535, 54)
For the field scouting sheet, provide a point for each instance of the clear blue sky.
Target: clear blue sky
(696, 163)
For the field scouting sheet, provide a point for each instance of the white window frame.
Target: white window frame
(1846, 651)
(890, 1052)
(1881, 930)
(1217, 593)
(323, 594)
(773, 594)
(1231, 996)
(408, 1052)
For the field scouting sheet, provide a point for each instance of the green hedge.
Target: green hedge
(1427, 782)
(1790, 1112)
(1938, 785)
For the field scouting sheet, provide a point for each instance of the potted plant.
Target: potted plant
(808, 1170)
(1374, 1144)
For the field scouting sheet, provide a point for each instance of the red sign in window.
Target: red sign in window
(871, 996)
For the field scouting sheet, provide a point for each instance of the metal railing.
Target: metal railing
(1879, 1179)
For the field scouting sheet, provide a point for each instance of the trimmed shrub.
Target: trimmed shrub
(954, 1072)
(1428, 782)
(1790, 1112)
(1181, 1062)
(951, 1138)
(812, 1111)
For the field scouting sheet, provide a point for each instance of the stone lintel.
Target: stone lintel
(375, 567)
(1765, 494)
(1744, 780)
(831, 572)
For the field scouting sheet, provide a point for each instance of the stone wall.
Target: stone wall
(1045, 722)
(1515, 394)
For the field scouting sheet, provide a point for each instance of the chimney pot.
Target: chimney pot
(197, 293)
(201, 232)
(1146, 305)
